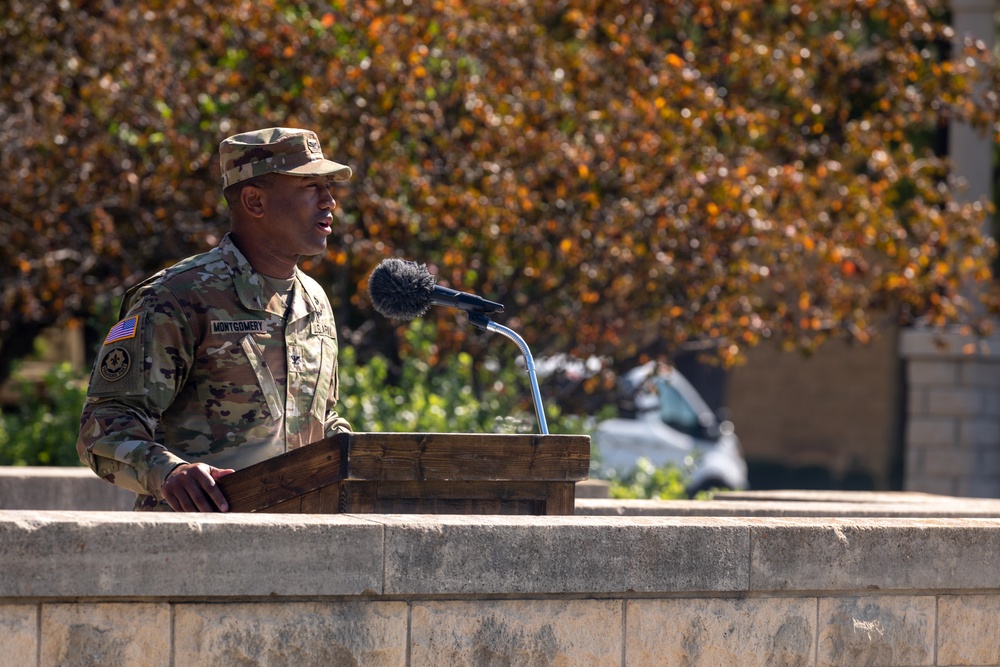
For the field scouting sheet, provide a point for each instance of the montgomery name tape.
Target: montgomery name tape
(238, 326)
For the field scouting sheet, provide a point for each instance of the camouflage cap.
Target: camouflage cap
(278, 150)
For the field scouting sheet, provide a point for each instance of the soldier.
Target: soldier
(229, 357)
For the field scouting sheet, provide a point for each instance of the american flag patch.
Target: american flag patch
(122, 330)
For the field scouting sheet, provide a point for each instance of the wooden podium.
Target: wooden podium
(426, 473)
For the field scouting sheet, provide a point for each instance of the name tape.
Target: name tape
(238, 326)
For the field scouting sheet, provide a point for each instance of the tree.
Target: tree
(627, 177)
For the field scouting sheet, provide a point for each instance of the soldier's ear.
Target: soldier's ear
(252, 199)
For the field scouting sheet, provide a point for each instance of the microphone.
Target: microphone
(401, 290)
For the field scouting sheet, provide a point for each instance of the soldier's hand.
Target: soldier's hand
(191, 487)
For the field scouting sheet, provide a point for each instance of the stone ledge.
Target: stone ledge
(748, 508)
(59, 488)
(124, 555)
(796, 503)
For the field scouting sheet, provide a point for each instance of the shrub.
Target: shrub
(43, 428)
(668, 482)
(438, 393)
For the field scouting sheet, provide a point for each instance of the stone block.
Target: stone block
(873, 554)
(291, 633)
(979, 486)
(960, 402)
(981, 432)
(991, 401)
(950, 461)
(968, 630)
(574, 554)
(19, 634)
(914, 461)
(916, 401)
(750, 632)
(989, 461)
(927, 482)
(931, 432)
(592, 488)
(517, 632)
(110, 634)
(887, 630)
(65, 554)
(983, 373)
(934, 372)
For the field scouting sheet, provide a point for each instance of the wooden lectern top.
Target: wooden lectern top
(456, 473)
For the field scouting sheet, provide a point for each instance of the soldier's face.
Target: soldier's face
(300, 209)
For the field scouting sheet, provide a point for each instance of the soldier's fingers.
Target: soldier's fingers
(214, 494)
(202, 501)
(180, 502)
(208, 495)
(192, 488)
(174, 504)
(201, 494)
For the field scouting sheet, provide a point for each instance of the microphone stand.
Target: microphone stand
(480, 321)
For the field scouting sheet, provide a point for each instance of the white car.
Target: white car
(671, 424)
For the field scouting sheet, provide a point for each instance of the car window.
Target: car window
(675, 411)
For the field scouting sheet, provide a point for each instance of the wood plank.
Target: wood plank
(468, 457)
(436, 497)
(358, 497)
(290, 475)
(561, 499)
(290, 506)
(517, 506)
(329, 499)
(453, 490)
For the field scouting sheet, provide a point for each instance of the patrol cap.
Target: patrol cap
(275, 150)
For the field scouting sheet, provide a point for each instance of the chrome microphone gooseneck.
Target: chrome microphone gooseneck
(480, 321)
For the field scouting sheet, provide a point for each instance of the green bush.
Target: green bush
(438, 394)
(667, 482)
(43, 428)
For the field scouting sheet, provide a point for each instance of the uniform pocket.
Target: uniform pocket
(326, 380)
(264, 378)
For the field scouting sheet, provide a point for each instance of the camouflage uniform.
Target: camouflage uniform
(209, 365)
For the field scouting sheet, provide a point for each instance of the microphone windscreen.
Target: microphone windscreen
(399, 289)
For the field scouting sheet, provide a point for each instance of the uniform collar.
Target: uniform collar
(251, 286)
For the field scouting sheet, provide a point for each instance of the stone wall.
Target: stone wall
(117, 588)
(953, 407)
(831, 420)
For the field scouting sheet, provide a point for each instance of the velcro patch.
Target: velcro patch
(321, 328)
(238, 326)
(123, 330)
(115, 364)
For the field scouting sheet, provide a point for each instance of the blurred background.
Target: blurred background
(788, 204)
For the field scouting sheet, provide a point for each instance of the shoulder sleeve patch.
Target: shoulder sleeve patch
(123, 330)
(118, 370)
